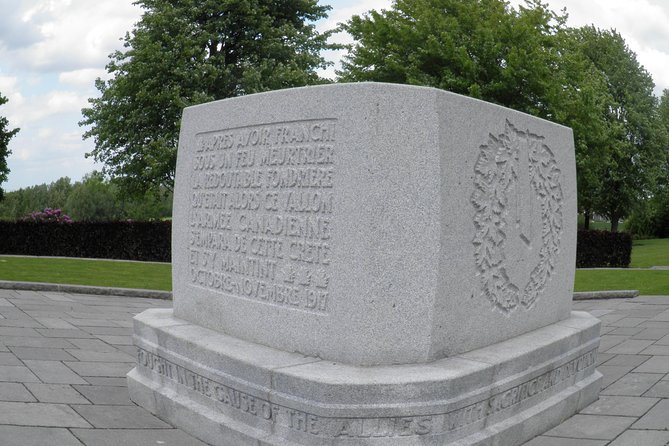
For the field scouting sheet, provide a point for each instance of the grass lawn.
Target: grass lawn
(153, 276)
(647, 253)
(647, 282)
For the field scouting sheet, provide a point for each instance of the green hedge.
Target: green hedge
(123, 240)
(598, 249)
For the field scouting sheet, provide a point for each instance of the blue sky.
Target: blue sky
(51, 52)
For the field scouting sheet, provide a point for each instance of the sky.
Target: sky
(51, 52)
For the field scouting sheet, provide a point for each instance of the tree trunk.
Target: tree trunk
(586, 219)
(614, 222)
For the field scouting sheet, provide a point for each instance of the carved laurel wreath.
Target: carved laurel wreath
(496, 170)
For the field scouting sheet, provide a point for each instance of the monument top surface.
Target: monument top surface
(372, 223)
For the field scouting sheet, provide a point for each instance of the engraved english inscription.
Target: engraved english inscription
(518, 201)
(236, 401)
(260, 212)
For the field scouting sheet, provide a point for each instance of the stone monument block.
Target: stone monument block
(369, 264)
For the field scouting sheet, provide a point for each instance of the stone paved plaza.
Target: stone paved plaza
(63, 360)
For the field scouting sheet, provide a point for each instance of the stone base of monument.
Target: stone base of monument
(230, 392)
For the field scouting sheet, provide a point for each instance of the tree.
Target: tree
(5, 136)
(481, 48)
(92, 199)
(186, 52)
(628, 171)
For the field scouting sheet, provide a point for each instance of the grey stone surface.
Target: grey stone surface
(602, 427)
(624, 406)
(296, 400)
(135, 437)
(36, 436)
(56, 393)
(367, 264)
(338, 211)
(117, 417)
(642, 438)
(643, 306)
(656, 418)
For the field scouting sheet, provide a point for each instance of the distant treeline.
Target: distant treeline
(94, 198)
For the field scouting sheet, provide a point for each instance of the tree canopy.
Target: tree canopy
(186, 52)
(5, 136)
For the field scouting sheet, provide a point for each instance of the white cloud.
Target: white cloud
(82, 78)
(66, 34)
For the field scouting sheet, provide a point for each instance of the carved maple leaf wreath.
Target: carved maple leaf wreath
(496, 171)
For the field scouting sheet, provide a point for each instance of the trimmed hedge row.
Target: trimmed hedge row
(597, 249)
(122, 240)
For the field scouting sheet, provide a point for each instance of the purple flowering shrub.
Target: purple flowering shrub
(48, 215)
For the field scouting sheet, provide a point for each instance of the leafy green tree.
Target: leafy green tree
(92, 199)
(185, 52)
(481, 48)
(5, 136)
(630, 168)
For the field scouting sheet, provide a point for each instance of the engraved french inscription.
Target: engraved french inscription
(359, 428)
(518, 202)
(260, 212)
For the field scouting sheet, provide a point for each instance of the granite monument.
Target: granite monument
(369, 264)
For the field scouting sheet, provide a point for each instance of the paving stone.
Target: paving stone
(594, 427)
(15, 392)
(626, 406)
(556, 441)
(18, 331)
(105, 381)
(93, 356)
(49, 322)
(56, 393)
(115, 331)
(142, 437)
(603, 358)
(655, 418)
(40, 414)
(642, 438)
(37, 436)
(26, 323)
(88, 323)
(116, 417)
(660, 390)
(613, 373)
(609, 341)
(628, 322)
(125, 340)
(632, 384)
(16, 373)
(92, 345)
(664, 340)
(630, 347)
(7, 358)
(63, 333)
(106, 395)
(46, 354)
(626, 331)
(40, 342)
(656, 364)
(657, 350)
(652, 333)
(53, 372)
(109, 369)
(654, 324)
(628, 360)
